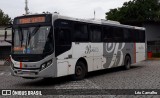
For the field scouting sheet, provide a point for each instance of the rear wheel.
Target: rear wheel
(127, 63)
(80, 71)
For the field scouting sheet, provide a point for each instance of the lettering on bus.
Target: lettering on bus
(115, 49)
(90, 49)
(31, 20)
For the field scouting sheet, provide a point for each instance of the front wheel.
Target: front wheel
(80, 71)
(127, 63)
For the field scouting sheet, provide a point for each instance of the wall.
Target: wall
(152, 31)
(5, 47)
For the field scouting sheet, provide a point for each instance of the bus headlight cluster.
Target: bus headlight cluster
(46, 64)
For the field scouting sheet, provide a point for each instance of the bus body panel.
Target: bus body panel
(91, 52)
(140, 52)
(115, 53)
(83, 50)
(98, 56)
(97, 49)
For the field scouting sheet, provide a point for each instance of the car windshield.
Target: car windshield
(31, 40)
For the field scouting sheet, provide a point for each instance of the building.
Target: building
(5, 47)
(153, 36)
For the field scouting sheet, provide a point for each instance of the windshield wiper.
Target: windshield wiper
(32, 34)
(21, 35)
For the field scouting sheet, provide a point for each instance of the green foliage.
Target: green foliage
(4, 18)
(136, 11)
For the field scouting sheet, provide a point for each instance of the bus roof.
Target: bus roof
(94, 21)
(101, 21)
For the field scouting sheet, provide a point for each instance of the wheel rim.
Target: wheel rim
(78, 70)
(128, 63)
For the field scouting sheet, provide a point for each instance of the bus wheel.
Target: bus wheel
(127, 63)
(80, 71)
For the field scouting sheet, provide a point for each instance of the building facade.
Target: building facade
(5, 47)
(153, 36)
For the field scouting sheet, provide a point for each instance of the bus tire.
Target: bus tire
(127, 63)
(29, 78)
(80, 71)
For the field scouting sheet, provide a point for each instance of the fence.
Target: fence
(153, 46)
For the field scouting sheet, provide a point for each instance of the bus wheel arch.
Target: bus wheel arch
(127, 62)
(84, 61)
(81, 69)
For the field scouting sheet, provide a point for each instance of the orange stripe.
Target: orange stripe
(20, 64)
(134, 52)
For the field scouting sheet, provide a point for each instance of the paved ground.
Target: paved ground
(1, 63)
(144, 75)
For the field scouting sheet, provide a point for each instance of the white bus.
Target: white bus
(51, 45)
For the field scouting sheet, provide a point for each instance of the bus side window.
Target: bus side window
(63, 36)
(107, 34)
(127, 35)
(96, 33)
(118, 34)
(62, 40)
(80, 33)
(142, 36)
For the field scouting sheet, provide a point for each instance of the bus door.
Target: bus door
(63, 51)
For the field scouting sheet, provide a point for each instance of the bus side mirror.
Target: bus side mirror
(5, 36)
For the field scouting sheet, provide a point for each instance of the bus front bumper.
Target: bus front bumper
(47, 72)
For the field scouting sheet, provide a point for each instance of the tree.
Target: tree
(4, 18)
(136, 11)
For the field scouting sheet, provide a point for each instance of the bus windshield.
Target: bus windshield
(31, 40)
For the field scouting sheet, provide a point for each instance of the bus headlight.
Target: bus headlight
(46, 64)
(49, 62)
(43, 66)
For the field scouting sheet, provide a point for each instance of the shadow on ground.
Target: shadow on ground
(62, 80)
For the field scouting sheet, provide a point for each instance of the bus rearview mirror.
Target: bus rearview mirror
(5, 36)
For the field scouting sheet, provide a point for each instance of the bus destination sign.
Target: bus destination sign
(32, 20)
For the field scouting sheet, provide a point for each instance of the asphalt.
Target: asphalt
(142, 75)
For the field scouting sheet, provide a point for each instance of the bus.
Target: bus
(52, 45)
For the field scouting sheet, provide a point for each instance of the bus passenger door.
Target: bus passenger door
(63, 50)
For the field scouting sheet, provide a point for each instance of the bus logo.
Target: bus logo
(90, 49)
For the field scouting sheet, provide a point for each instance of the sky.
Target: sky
(73, 8)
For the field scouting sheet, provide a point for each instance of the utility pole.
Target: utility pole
(26, 7)
(94, 14)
